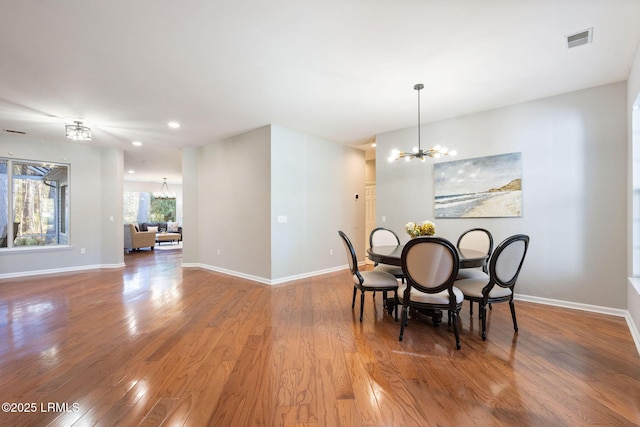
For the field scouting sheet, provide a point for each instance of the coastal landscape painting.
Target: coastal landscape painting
(482, 187)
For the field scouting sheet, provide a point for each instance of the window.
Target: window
(145, 207)
(34, 207)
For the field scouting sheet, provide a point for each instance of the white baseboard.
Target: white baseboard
(59, 270)
(587, 307)
(262, 279)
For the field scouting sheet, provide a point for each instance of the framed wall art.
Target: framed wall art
(482, 187)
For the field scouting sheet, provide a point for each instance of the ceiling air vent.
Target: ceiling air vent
(578, 39)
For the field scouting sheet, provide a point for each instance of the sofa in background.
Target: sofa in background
(169, 227)
(136, 239)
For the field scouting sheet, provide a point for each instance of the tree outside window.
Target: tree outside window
(142, 207)
(31, 194)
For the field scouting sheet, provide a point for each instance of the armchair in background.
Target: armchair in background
(135, 239)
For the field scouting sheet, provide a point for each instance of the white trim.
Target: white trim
(587, 307)
(573, 305)
(310, 274)
(262, 279)
(634, 331)
(635, 282)
(59, 270)
(27, 249)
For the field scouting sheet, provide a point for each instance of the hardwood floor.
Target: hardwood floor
(154, 344)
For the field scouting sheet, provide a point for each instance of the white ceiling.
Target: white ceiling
(342, 70)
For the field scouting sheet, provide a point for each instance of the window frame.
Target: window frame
(62, 206)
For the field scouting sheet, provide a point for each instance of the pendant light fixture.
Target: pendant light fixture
(418, 152)
(164, 192)
(78, 132)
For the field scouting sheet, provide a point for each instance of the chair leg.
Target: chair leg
(454, 318)
(353, 302)
(395, 297)
(483, 314)
(361, 304)
(471, 308)
(389, 304)
(403, 322)
(513, 315)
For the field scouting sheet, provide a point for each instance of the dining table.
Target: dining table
(392, 255)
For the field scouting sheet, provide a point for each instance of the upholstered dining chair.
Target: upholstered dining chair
(497, 286)
(384, 237)
(430, 266)
(477, 239)
(372, 280)
(381, 236)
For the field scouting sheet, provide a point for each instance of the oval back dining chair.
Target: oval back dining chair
(367, 280)
(499, 284)
(477, 239)
(381, 236)
(430, 266)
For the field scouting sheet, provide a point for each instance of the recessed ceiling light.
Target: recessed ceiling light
(373, 145)
(132, 171)
(174, 125)
(137, 143)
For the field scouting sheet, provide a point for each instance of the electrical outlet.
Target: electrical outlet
(330, 251)
(384, 218)
(218, 251)
(83, 251)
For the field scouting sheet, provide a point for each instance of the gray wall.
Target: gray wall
(95, 177)
(234, 204)
(112, 173)
(574, 152)
(190, 193)
(248, 181)
(313, 184)
(633, 91)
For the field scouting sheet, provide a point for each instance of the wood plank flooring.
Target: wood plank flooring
(154, 344)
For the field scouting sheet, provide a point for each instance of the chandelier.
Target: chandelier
(418, 152)
(78, 132)
(164, 192)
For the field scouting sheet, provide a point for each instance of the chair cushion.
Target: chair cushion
(393, 269)
(472, 273)
(377, 279)
(439, 298)
(473, 288)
